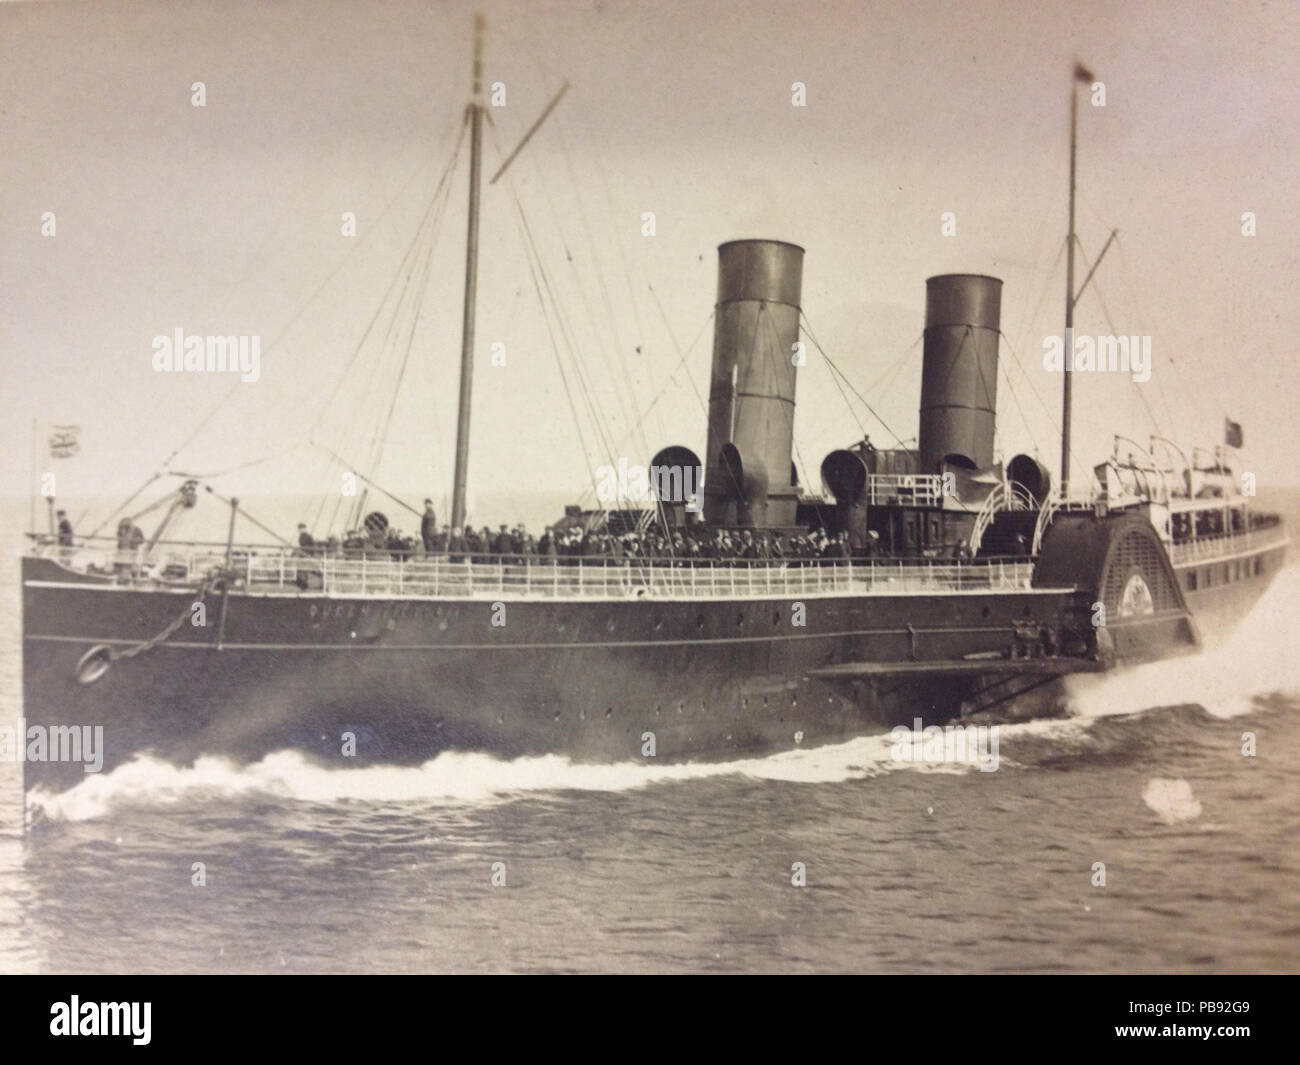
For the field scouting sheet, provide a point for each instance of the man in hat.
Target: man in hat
(305, 540)
(429, 528)
(501, 544)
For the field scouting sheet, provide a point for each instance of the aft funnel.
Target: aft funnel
(959, 375)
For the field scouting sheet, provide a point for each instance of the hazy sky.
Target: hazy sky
(226, 219)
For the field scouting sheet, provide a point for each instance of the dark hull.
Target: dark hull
(410, 679)
(589, 679)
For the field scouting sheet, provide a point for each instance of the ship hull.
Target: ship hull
(1219, 608)
(364, 680)
(407, 679)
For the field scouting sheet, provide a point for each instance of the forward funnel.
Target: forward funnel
(749, 475)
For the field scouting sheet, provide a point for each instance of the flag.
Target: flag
(63, 441)
(1231, 433)
(1082, 73)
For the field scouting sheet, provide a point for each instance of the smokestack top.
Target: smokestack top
(963, 299)
(768, 270)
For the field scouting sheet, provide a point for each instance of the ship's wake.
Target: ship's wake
(1232, 680)
(1257, 660)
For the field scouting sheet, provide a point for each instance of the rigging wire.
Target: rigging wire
(415, 305)
(600, 274)
(1029, 433)
(302, 309)
(533, 267)
(582, 375)
(894, 372)
(128, 501)
(549, 73)
(373, 484)
(831, 363)
(1141, 394)
(682, 355)
(231, 503)
(402, 276)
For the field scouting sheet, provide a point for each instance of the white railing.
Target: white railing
(271, 571)
(1209, 548)
(1056, 501)
(1006, 495)
(904, 489)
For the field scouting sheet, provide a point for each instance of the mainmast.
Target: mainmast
(1080, 74)
(475, 115)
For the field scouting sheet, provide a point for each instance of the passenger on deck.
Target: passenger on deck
(305, 540)
(429, 527)
(65, 529)
(474, 544)
(457, 546)
(501, 543)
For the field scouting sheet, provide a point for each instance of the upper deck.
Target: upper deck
(263, 570)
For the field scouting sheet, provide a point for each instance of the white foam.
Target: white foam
(1172, 800)
(451, 777)
(1257, 659)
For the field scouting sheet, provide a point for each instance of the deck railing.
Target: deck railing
(904, 489)
(376, 573)
(1208, 548)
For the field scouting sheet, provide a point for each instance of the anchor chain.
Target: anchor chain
(96, 662)
(166, 633)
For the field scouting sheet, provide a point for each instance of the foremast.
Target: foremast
(474, 115)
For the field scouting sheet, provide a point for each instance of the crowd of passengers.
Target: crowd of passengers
(560, 545)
